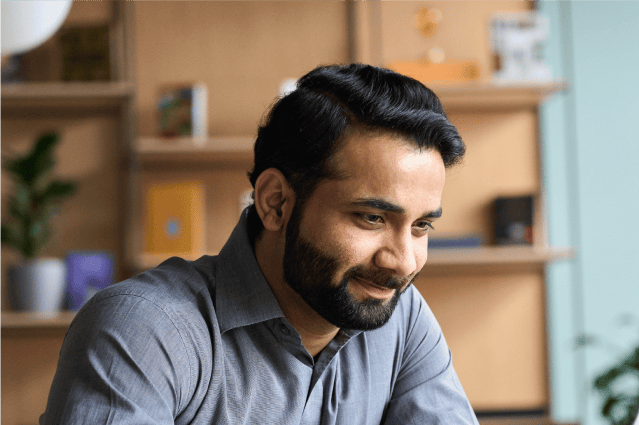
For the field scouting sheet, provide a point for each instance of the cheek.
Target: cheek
(356, 249)
(347, 243)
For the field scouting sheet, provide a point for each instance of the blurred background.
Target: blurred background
(153, 108)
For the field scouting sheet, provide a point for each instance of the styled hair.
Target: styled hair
(303, 129)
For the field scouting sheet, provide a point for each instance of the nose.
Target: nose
(398, 254)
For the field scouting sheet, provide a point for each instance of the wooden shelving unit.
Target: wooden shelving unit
(46, 95)
(16, 324)
(216, 149)
(485, 95)
(88, 115)
(156, 156)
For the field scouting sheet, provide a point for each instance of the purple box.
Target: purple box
(87, 273)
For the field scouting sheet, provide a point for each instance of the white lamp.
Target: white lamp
(28, 24)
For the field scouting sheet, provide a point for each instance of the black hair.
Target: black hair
(304, 128)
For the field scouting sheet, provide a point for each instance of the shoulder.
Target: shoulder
(169, 306)
(177, 291)
(172, 282)
(176, 288)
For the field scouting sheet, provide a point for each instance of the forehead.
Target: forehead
(390, 167)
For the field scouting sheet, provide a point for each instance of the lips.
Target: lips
(372, 290)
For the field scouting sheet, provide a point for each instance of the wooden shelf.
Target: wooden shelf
(497, 255)
(494, 259)
(65, 94)
(187, 150)
(448, 259)
(520, 420)
(490, 95)
(17, 323)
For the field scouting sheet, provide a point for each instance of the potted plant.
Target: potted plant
(618, 386)
(35, 284)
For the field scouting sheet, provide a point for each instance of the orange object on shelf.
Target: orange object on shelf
(174, 219)
(449, 71)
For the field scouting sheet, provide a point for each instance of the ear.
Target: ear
(274, 199)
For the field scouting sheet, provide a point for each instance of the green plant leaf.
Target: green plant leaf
(41, 235)
(59, 189)
(4, 235)
(604, 380)
(36, 162)
(585, 340)
(20, 202)
(12, 236)
(609, 404)
(42, 154)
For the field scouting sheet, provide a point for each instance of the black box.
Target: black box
(514, 220)
(85, 54)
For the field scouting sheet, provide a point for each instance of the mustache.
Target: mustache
(379, 277)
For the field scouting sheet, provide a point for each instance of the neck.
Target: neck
(314, 330)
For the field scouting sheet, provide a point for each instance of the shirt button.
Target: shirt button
(284, 329)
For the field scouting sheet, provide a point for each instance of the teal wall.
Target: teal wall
(590, 148)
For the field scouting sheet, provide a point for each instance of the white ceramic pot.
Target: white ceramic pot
(38, 285)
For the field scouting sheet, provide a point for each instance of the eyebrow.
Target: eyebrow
(380, 204)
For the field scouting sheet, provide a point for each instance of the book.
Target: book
(174, 219)
(183, 111)
(462, 241)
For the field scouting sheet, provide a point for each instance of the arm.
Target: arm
(122, 362)
(427, 390)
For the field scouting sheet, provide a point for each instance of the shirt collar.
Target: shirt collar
(242, 295)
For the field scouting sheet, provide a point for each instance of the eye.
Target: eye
(372, 218)
(423, 226)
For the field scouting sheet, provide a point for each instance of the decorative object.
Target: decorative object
(434, 67)
(174, 223)
(28, 24)
(28, 228)
(513, 220)
(427, 70)
(517, 42)
(427, 19)
(287, 85)
(183, 112)
(87, 273)
(246, 199)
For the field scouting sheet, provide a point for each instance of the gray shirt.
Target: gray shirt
(205, 342)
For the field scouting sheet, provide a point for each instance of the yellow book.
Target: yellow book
(174, 219)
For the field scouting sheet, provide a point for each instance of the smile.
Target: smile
(370, 290)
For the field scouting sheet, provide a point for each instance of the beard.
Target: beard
(312, 273)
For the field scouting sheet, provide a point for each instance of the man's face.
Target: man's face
(359, 241)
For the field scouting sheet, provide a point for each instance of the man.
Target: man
(307, 315)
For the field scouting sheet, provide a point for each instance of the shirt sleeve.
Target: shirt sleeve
(123, 361)
(427, 389)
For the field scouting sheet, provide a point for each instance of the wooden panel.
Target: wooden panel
(241, 50)
(494, 325)
(501, 160)
(28, 367)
